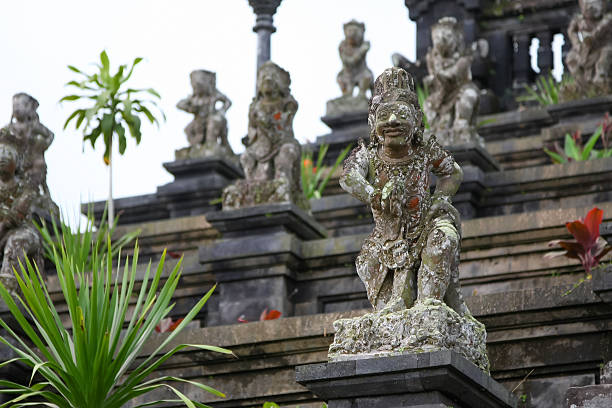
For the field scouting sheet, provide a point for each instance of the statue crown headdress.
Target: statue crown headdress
(450, 22)
(202, 75)
(354, 22)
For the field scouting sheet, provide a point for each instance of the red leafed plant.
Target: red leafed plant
(587, 246)
(265, 315)
(167, 325)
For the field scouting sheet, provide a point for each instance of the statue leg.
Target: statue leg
(603, 67)
(437, 258)
(22, 241)
(284, 162)
(371, 274)
(454, 297)
(346, 89)
(404, 289)
(465, 108)
(248, 163)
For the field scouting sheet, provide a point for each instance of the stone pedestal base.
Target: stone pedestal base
(453, 137)
(346, 104)
(440, 379)
(425, 327)
(197, 185)
(248, 193)
(591, 396)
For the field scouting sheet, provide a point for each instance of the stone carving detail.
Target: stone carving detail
(271, 161)
(18, 236)
(452, 104)
(590, 59)
(33, 140)
(207, 133)
(409, 263)
(355, 72)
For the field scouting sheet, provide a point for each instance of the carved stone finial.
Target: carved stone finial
(264, 27)
(410, 262)
(590, 58)
(452, 105)
(271, 161)
(207, 132)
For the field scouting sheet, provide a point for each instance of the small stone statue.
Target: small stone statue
(452, 104)
(590, 59)
(355, 72)
(207, 133)
(409, 263)
(34, 139)
(18, 237)
(271, 161)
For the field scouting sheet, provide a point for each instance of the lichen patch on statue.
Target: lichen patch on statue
(590, 58)
(409, 263)
(271, 160)
(207, 132)
(452, 105)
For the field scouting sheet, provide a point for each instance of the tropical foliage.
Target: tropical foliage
(587, 246)
(94, 363)
(574, 150)
(115, 109)
(315, 177)
(545, 92)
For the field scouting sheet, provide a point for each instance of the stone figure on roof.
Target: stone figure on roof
(271, 160)
(452, 104)
(590, 58)
(207, 132)
(18, 236)
(33, 141)
(409, 263)
(355, 72)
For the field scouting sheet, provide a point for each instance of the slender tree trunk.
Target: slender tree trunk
(111, 204)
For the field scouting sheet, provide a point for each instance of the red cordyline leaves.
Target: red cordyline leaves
(587, 246)
(167, 325)
(265, 315)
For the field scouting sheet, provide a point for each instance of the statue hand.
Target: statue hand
(439, 204)
(376, 201)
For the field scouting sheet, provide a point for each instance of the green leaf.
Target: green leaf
(104, 60)
(586, 153)
(570, 148)
(71, 98)
(556, 157)
(120, 130)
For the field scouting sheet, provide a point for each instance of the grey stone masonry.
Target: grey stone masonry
(440, 379)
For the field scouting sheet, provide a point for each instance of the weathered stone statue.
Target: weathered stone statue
(18, 237)
(409, 263)
(271, 161)
(355, 72)
(590, 59)
(33, 140)
(452, 104)
(207, 133)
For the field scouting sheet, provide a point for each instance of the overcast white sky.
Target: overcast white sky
(40, 37)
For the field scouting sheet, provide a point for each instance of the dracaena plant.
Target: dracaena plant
(98, 361)
(587, 246)
(116, 110)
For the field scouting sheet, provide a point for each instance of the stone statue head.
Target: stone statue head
(273, 82)
(592, 9)
(353, 31)
(203, 82)
(24, 107)
(8, 154)
(447, 36)
(395, 117)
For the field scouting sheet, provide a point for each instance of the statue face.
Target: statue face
(395, 123)
(592, 9)
(24, 107)
(444, 40)
(353, 34)
(268, 84)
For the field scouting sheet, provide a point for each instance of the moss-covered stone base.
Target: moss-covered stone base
(427, 326)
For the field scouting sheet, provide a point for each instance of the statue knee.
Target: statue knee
(440, 247)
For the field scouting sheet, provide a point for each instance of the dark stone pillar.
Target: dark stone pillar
(522, 59)
(545, 52)
(264, 27)
(426, 380)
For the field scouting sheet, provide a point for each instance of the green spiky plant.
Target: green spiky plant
(313, 181)
(115, 109)
(94, 363)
